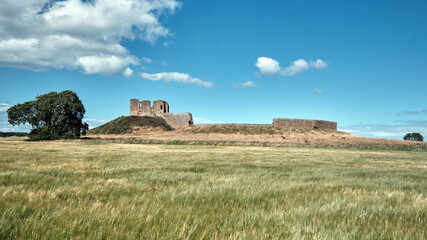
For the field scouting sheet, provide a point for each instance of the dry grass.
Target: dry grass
(258, 134)
(100, 190)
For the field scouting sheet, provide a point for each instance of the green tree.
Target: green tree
(52, 116)
(413, 137)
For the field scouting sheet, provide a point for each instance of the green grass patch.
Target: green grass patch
(122, 125)
(252, 129)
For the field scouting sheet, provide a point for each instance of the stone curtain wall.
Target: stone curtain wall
(178, 120)
(160, 109)
(303, 123)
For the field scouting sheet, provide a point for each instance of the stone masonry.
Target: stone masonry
(160, 108)
(303, 123)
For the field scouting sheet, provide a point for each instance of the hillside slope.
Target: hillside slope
(258, 133)
(254, 129)
(129, 124)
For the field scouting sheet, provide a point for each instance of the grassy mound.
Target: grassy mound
(123, 125)
(251, 129)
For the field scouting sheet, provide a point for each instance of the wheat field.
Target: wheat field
(101, 190)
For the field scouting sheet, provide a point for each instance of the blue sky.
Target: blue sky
(359, 63)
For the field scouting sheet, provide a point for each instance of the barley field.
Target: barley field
(102, 190)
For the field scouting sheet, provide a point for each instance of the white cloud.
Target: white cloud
(246, 84)
(296, 67)
(128, 73)
(267, 66)
(411, 112)
(4, 107)
(393, 130)
(385, 134)
(175, 77)
(42, 34)
(318, 64)
(4, 124)
(147, 60)
(201, 121)
(10, 128)
(105, 64)
(318, 91)
(166, 44)
(94, 122)
(163, 63)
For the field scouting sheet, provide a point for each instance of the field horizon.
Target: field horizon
(244, 134)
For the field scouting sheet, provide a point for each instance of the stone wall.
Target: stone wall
(160, 108)
(303, 123)
(178, 120)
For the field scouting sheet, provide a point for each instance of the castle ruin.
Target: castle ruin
(160, 108)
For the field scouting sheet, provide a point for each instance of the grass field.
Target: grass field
(101, 190)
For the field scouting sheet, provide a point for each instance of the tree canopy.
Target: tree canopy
(414, 137)
(52, 116)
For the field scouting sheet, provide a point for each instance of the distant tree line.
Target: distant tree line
(13, 134)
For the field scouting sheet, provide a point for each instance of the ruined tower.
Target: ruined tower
(160, 108)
